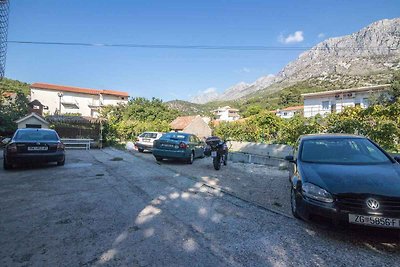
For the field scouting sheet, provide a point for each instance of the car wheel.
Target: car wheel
(6, 166)
(191, 158)
(293, 203)
(141, 150)
(159, 158)
(61, 163)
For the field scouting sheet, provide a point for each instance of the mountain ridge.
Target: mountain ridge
(371, 50)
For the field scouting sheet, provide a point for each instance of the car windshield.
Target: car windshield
(36, 135)
(175, 136)
(342, 151)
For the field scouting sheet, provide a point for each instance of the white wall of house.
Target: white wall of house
(328, 104)
(32, 121)
(71, 102)
(226, 115)
(286, 114)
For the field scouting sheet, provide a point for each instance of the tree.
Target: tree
(394, 89)
(289, 97)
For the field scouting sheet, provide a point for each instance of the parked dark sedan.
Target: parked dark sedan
(178, 146)
(34, 145)
(345, 178)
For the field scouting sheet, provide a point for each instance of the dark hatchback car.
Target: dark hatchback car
(345, 178)
(34, 146)
(182, 146)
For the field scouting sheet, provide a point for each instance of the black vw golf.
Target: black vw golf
(345, 178)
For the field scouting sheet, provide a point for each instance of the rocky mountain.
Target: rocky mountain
(360, 57)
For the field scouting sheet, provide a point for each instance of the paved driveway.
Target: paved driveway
(110, 208)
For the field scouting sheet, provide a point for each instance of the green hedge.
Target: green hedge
(381, 123)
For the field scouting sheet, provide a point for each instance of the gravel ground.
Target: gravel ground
(110, 208)
(263, 185)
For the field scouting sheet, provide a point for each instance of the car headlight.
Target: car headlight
(317, 193)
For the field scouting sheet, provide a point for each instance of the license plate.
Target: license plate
(146, 140)
(213, 154)
(167, 145)
(376, 221)
(37, 148)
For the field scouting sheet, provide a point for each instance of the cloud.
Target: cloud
(296, 37)
(321, 35)
(246, 70)
(209, 90)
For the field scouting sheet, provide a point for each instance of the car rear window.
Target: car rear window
(148, 135)
(342, 151)
(36, 135)
(175, 136)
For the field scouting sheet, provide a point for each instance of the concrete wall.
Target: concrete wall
(266, 150)
(257, 159)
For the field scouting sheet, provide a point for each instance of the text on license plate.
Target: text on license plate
(213, 154)
(37, 148)
(376, 221)
(167, 145)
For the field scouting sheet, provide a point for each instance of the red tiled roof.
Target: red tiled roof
(9, 94)
(293, 108)
(77, 89)
(181, 123)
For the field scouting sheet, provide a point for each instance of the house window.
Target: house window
(366, 102)
(33, 126)
(325, 104)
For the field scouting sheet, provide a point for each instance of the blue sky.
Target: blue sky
(172, 73)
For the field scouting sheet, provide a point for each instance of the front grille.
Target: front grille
(358, 205)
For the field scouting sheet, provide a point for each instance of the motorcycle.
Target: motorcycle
(218, 150)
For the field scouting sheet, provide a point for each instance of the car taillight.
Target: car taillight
(60, 146)
(183, 145)
(12, 148)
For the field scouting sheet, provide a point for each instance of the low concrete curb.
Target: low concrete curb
(257, 159)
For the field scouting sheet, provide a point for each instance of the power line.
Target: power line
(204, 47)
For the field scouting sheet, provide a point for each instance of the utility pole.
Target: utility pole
(60, 95)
(4, 8)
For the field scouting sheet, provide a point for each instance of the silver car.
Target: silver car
(146, 139)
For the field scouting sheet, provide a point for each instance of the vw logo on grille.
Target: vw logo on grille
(372, 203)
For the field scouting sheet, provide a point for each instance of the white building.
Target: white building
(67, 99)
(32, 120)
(335, 101)
(289, 112)
(226, 114)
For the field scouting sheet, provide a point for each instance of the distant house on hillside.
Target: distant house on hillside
(191, 124)
(67, 99)
(226, 114)
(335, 101)
(289, 112)
(9, 97)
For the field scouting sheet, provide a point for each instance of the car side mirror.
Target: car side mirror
(290, 158)
(397, 158)
(5, 141)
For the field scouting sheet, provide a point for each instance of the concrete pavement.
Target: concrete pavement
(111, 208)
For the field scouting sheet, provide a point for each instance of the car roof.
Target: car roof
(330, 136)
(181, 133)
